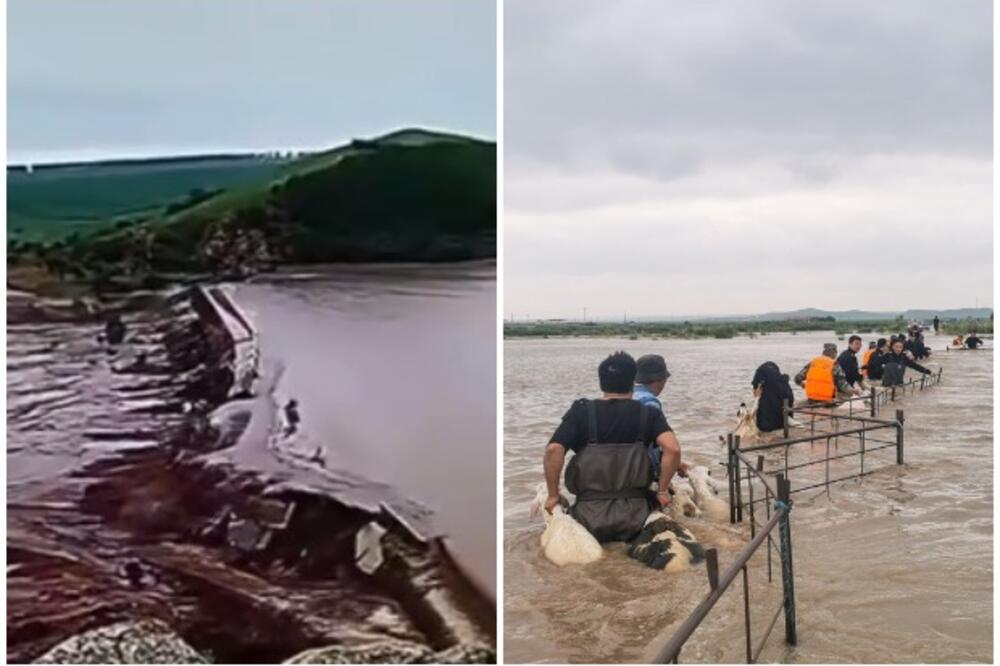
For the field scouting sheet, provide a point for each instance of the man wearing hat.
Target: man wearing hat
(650, 379)
(824, 379)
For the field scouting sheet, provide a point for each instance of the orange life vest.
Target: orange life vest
(864, 362)
(819, 379)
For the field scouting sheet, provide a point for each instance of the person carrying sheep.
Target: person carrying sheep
(611, 470)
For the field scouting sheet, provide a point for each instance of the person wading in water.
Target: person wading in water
(772, 389)
(650, 379)
(895, 362)
(611, 472)
(848, 361)
(823, 378)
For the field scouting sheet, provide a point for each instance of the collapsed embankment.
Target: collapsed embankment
(190, 515)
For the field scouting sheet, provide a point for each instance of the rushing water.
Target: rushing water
(897, 567)
(121, 505)
(394, 371)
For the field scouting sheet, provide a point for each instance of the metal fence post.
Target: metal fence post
(899, 437)
(731, 474)
(712, 567)
(736, 483)
(787, 575)
(784, 416)
(874, 408)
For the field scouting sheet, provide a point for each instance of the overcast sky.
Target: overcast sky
(675, 158)
(121, 77)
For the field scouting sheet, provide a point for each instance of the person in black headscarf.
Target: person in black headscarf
(771, 387)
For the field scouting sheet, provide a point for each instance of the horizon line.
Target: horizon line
(82, 156)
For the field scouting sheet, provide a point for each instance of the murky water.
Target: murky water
(394, 371)
(897, 567)
(137, 489)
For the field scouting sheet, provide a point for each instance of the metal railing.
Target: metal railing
(773, 489)
(863, 429)
(880, 396)
(718, 585)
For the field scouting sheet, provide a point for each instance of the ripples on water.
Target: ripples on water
(894, 568)
(107, 520)
(394, 369)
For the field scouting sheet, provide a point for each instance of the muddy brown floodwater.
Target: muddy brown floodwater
(159, 479)
(897, 567)
(394, 370)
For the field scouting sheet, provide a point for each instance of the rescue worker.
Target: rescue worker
(771, 388)
(292, 417)
(823, 378)
(650, 379)
(875, 361)
(973, 341)
(611, 471)
(894, 365)
(872, 347)
(114, 330)
(848, 361)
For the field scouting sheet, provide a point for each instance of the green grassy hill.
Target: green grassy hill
(51, 202)
(412, 195)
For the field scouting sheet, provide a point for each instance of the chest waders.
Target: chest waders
(611, 482)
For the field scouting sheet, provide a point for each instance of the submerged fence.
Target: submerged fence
(778, 520)
(768, 504)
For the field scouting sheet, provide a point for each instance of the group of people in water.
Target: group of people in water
(623, 444)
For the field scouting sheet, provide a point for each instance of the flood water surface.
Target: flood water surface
(142, 482)
(896, 567)
(394, 372)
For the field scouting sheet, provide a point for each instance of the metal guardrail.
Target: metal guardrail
(718, 585)
(777, 503)
(879, 396)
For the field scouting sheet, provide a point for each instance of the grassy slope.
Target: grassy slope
(411, 195)
(52, 202)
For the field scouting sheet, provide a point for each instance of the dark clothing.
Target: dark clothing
(937, 322)
(114, 332)
(617, 421)
(973, 342)
(775, 390)
(875, 365)
(849, 363)
(611, 471)
(894, 367)
(917, 348)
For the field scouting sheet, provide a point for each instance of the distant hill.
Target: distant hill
(816, 313)
(411, 195)
(864, 315)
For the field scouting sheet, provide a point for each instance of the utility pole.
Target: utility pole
(585, 314)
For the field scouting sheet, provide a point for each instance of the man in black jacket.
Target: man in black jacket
(877, 360)
(895, 363)
(848, 361)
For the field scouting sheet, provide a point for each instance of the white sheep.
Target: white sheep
(746, 422)
(706, 489)
(682, 502)
(564, 540)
